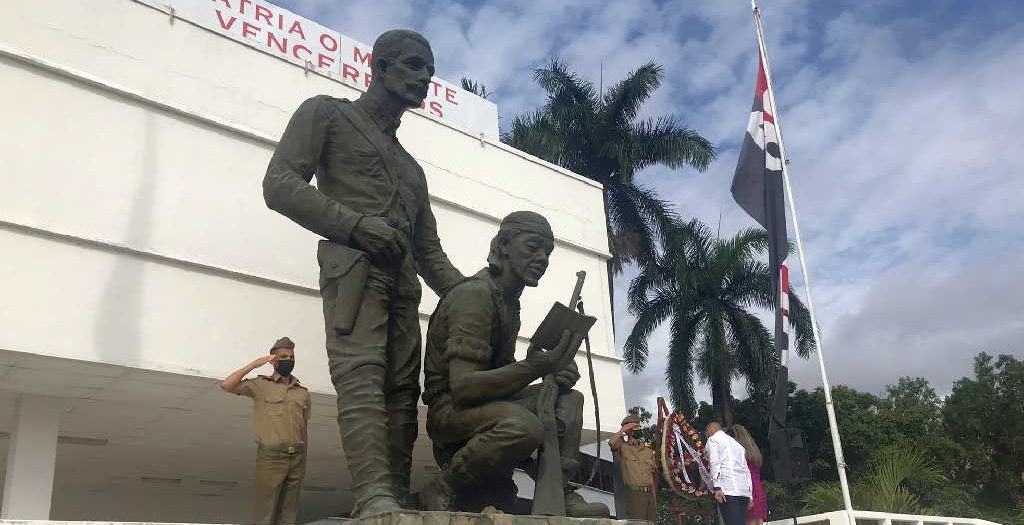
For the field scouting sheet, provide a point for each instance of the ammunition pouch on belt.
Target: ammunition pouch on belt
(346, 269)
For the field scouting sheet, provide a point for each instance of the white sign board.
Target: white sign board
(281, 33)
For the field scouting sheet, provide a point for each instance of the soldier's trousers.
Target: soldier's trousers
(375, 371)
(278, 487)
(500, 434)
(640, 504)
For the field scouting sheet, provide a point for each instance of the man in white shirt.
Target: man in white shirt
(729, 473)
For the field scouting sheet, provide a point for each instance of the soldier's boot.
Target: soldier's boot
(569, 413)
(403, 429)
(363, 418)
(437, 495)
(577, 507)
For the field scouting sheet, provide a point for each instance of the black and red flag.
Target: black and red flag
(759, 189)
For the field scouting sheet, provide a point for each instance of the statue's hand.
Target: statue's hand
(568, 376)
(558, 358)
(377, 238)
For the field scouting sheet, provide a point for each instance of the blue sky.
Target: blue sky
(899, 117)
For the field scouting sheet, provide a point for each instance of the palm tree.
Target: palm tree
(884, 487)
(474, 87)
(598, 136)
(704, 288)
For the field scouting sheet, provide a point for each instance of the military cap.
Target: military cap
(283, 342)
(632, 418)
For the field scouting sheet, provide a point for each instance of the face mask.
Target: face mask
(285, 367)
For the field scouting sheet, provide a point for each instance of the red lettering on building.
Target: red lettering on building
(329, 42)
(367, 79)
(249, 30)
(242, 4)
(449, 95)
(297, 29)
(262, 13)
(437, 86)
(437, 109)
(349, 71)
(281, 45)
(225, 2)
(295, 52)
(324, 61)
(223, 25)
(360, 58)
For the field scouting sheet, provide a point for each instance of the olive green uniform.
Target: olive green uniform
(638, 468)
(474, 322)
(281, 412)
(362, 170)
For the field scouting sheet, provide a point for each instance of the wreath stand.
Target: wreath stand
(679, 466)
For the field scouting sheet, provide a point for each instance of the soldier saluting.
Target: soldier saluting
(371, 206)
(281, 413)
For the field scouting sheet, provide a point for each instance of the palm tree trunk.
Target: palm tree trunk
(725, 396)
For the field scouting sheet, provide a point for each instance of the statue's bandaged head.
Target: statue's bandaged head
(523, 244)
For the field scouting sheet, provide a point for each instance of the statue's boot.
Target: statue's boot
(577, 507)
(569, 413)
(363, 419)
(437, 495)
(403, 428)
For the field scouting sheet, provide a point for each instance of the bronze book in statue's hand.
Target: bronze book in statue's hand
(559, 319)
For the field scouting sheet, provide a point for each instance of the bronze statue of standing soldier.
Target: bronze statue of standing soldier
(371, 206)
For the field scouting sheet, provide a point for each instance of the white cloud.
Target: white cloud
(902, 132)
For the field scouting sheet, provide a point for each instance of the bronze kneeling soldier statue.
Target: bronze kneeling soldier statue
(482, 409)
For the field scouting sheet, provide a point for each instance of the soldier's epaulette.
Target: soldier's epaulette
(268, 378)
(300, 385)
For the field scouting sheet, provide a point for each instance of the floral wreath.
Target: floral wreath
(681, 471)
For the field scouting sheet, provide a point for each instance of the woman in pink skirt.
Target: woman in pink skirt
(758, 510)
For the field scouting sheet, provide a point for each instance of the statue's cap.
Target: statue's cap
(632, 418)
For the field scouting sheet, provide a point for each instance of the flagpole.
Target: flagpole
(829, 407)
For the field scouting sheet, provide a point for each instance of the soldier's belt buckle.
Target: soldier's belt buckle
(292, 449)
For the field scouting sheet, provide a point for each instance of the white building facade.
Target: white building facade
(140, 265)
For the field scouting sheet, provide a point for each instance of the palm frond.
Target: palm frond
(474, 87)
(800, 321)
(537, 135)
(623, 100)
(665, 141)
(749, 284)
(679, 369)
(823, 497)
(755, 356)
(640, 218)
(648, 317)
(562, 84)
(736, 251)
